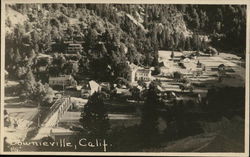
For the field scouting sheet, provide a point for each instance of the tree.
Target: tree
(149, 121)
(8, 22)
(188, 44)
(177, 75)
(94, 117)
(31, 54)
(196, 42)
(225, 101)
(135, 93)
(21, 71)
(182, 42)
(120, 81)
(71, 68)
(36, 91)
(48, 98)
(84, 65)
(172, 54)
(59, 61)
(186, 86)
(221, 72)
(142, 83)
(199, 65)
(157, 70)
(171, 43)
(91, 38)
(195, 23)
(17, 56)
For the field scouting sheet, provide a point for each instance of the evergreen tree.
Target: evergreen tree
(188, 45)
(149, 122)
(17, 57)
(172, 54)
(182, 42)
(94, 117)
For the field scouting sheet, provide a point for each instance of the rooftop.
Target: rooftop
(143, 70)
(65, 77)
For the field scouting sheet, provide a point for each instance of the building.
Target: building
(74, 48)
(89, 88)
(45, 56)
(138, 73)
(42, 69)
(166, 71)
(143, 74)
(78, 103)
(64, 80)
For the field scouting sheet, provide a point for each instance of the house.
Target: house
(143, 74)
(105, 86)
(74, 48)
(89, 88)
(139, 73)
(63, 80)
(175, 59)
(78, 102)
(186, 60)
(44, 56)
(42, 61)
(42, 68)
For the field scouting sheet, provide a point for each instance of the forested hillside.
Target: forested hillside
(112, 34)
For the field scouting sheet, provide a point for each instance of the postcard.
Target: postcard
(161, 78)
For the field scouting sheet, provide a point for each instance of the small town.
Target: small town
(84, 80)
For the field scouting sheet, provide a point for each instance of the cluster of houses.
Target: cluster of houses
(187, 65)
(86, 89)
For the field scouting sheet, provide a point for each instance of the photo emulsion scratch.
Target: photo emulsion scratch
(124, 77)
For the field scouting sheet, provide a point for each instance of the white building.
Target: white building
(139, 73)
(143, 74)
(89, 88)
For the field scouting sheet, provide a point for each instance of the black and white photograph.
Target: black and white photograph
(133, 78)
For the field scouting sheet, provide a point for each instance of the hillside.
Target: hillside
(112, 32)
(12, 18)
(222, 136)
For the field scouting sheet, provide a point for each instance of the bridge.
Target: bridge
(56, 111)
